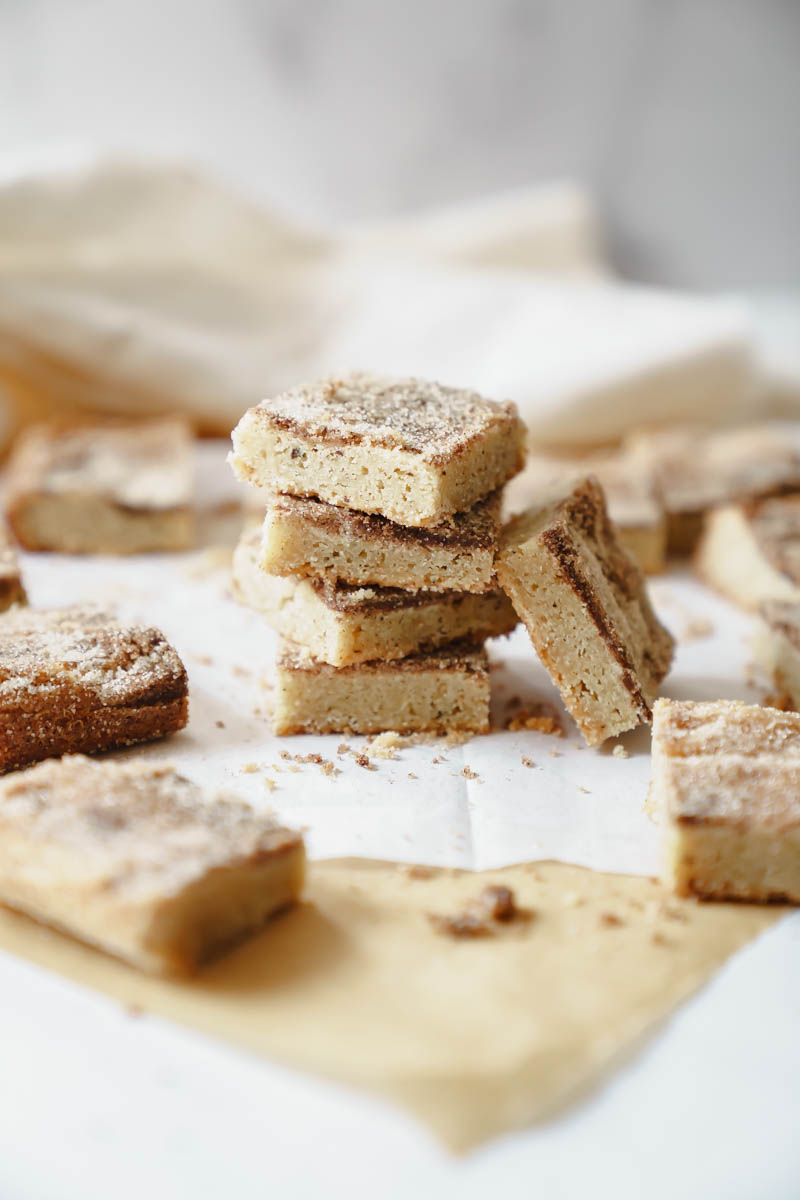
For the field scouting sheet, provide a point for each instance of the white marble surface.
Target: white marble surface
(680, 116)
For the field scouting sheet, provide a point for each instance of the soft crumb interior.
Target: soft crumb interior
(376, 701)
(292, 546)
(89, 525)
(732, 863)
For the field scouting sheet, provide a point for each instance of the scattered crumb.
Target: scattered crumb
(540, 721)
(527, 762)
(249, 768)
(781, 700)
(619, 751)
(468, 773)
(496, 905)
(411, 775)
(328, 768)
(700, 627)
(204, 659)
(556, 754)
(585, 791)
(342, 749)
(363, 761)
(437, 759)
(295, 770)
(220, 724)
(242, 672)
(610, 919)
(385, 745)
(286, 756)
(418, 871)
(269, 784)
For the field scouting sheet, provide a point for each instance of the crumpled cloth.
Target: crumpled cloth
(139, 287)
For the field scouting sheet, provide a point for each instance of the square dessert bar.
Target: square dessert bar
(695, 470)
(75, 680)
(750, 552)
(726, 782)
(584, 603)
(447, 690)
(340, 624)
(135, 860)
(777, 646)
(309, 538)
(11, 588)
(104, 489)
(631, 498)
(411, 451)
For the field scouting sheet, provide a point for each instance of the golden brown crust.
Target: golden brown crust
(77, 680)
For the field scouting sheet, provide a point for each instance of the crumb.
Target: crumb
(527, 762)
(468, 773)
(385, 745)
(556, 754)
(242, 672)
(619, 751)
(418, 871)
(285, 755)
(585, 791)
(539, 721)
(204, 659)
(249, 768)
(363, 761)
(411, 775)
(496, 905)
(697, 628)
(269, 784)
(781, 700)
(437, 759)
(610, 919)
(342, 749)
(295, 770)
(329, 769)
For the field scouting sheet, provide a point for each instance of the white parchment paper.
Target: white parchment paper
(576, 804)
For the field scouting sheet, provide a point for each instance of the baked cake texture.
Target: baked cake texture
(631, 499)
(12, 590)
(76, 680)
(315, 540)
(750, 552)
(696, 470)
(726, 784)
(137, 861)
(777, 646)
(412, 451)
(341, 624)
(102, 489)
(584, 603)
(445, 691)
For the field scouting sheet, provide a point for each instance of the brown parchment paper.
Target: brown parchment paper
(474, 1037)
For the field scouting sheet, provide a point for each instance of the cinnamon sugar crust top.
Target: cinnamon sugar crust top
(477, 528)
(775, 524)
(411, 414)
(726, 762)
(50, 653)
(143, 467)
(458, 656)
(139, 828)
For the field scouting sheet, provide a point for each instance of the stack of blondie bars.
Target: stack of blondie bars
(375, 562)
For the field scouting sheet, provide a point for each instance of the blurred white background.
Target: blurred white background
(682, 116)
